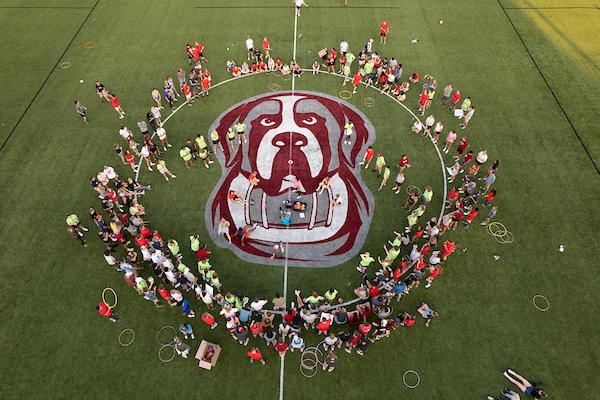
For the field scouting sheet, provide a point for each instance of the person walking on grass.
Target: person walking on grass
(379, 164)
(107, 312)
(81, 110)
(383, 32)
(186, 154)
(386, 176)
(116, 105)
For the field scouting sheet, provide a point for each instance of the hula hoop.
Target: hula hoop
(410, 371)
(506, 238)
(539, 296)
(497, 229)
(89, 45)
(286, 77)
(313, 364)
(104, 298)
(413, 189)
(369, 101)
(312, 372)
(160, 330)
(166, 360)
(132, 338)
(274, 87)
(346, 94)
(65, 65)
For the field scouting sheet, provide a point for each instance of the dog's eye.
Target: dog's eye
(267, 122)
(279, 143)
(310, 121)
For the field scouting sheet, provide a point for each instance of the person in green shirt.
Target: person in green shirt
(201, 142)
(385, 263)
(203, 266)
(186, 154)
(214, 137)
(386, 176)
(350, 57)
(379, 164)
(314, 298)
(412, 219)
(240, 129)
(173, 247)
(73, 221)
(195, 243)
(230, 137)
(365, 261)
(330, 295)
(347, 73)
(203, 154)
(426, 196)
(465, 105)
(161, 165)
(392, 253)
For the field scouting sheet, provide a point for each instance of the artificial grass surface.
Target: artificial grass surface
(53, 342)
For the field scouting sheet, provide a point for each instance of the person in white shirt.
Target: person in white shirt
(417, 127)
(162, 135)
(299, 4)
(156, 114)
(250, 47)
(331, 341)
(429, 122)
(145, 154)
(126, 134)
(482, 157)
(110, 173)
(257, 305)
(467, 117)
(437, 131)
(110, 259)
(343, 47)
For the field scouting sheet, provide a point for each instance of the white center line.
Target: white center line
(285, 266)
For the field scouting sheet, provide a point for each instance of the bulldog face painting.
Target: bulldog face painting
(293, 182)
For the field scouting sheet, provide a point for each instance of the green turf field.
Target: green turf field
(533, 72)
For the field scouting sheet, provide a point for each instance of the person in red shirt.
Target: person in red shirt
(423, 100)
(255, 355)
(106, 311)
(324, 325)
(199, 49)
(356, 79)
(365, 328)
(403, 163)
(369, 153)
(130, 160)
(188, 94)
(418, 234)
(281, 346)
(342, 62)
(489, 197)
(209, 320)
(447, 249)
(141, 241)
(236, 71)
(205, 82)
(464, 143)
(256, 327)
(115, 103)
(407, 320)
(433, 273)
(452, 197)
(202, 254)
(145, 231)
(352, 342)
(374, 291)
(278, 64)
(472, 215)
(414, 78)
(266, 48)
(455, 99)
(383, 32)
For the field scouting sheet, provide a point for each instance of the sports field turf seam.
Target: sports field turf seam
(328, 7)
(594, 7)
(49, 74)
(46, 7)
(550, 88)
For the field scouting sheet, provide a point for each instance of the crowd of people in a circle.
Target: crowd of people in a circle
(413, 254)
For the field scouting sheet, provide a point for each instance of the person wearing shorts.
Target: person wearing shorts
(188, 94)
(398, 183)
(383, 32)
(369, 153)
(427, 313)
(240, 129)
(223, 229)
(164, 171)
(203, 154)
(81, 110)
(386, 176)
(186, 154)
(231, 137)
(156, 97)
(214, 137)
(356, 79)
(115, 103)
(101, 91)
(348, 131)
(299, 4)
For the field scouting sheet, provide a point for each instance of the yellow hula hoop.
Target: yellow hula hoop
(497, 229)
(346, 94)
(89, 45)
(104, 297)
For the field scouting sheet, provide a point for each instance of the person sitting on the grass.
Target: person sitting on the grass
(182, 348)
(186, 330)
(330, 362)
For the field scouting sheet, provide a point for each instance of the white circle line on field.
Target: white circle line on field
(539, 296)
(410, 371)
